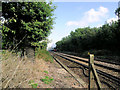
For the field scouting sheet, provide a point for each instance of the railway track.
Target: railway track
(96, 58)
(97, 63)
(109, 72)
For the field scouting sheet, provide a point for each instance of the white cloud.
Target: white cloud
(112, 19)
(76, 23)
(72, 23)
(90, 16)
(99, 25)
(95, 16)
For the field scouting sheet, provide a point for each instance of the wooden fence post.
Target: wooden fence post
(91, 77)
(96, 77)
(93, 74)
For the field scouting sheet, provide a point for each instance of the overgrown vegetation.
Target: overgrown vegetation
(43, 54)
(20, 72)
(10, 71)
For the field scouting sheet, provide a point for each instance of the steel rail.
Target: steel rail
(71, 72)
(114, 78)
(97, 59)
(86, 60)
(105, 60)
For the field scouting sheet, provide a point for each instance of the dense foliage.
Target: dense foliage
(26, 24)
(106, 37)
(117, 11)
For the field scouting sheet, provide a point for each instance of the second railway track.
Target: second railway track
(108, 73)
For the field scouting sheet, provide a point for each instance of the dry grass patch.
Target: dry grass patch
(17, 72)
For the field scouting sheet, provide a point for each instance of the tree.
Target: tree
(117, 11)
(27, 23)
(106, 37)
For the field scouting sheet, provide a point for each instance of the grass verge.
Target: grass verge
(43, 54)
(17, 72)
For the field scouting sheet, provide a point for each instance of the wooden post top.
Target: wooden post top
(92, 58)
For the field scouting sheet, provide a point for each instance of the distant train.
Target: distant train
(55, 50)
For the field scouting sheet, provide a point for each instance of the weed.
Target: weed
(31, 81)
(46, 72)
(3, 51)
(47, 80)
(33, 84)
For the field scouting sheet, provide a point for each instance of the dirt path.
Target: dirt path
(62, 79)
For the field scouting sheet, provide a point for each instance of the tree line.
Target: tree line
(106, 37)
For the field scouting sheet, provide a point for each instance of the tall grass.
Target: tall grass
(17, 72)
(43, 54)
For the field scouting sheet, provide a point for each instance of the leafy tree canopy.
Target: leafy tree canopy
(117, 11)
(30, 22)
(82, 39)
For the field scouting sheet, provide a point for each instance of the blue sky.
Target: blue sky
(72, 15)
